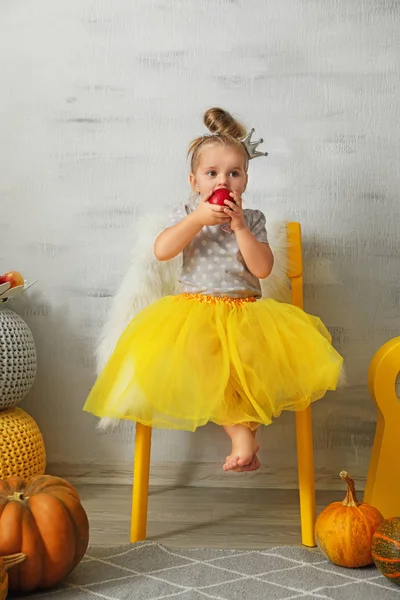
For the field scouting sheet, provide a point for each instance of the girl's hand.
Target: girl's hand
(210, 214)
(235, 211)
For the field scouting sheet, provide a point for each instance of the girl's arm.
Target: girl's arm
(174, 239)
(257, 255)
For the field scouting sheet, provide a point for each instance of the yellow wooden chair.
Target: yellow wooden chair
(383, 481)
(305, 454)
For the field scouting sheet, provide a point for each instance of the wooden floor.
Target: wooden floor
(200, 517)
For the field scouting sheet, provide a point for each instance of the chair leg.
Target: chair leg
(305, 458)
(140, 490)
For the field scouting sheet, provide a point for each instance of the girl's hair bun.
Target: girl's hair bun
(217, 120)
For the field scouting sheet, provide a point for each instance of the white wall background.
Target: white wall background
(99, 100)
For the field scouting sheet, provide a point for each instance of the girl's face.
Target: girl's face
(219, 166)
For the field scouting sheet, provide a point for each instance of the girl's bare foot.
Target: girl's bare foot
(244, 449)
(252, 466)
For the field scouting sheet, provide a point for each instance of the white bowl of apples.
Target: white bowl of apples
(12, 284)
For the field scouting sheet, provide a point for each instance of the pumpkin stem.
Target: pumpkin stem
(17, 496)
(351, 496)
(13, 559)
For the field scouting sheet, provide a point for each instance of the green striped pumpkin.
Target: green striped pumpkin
(3, 584)
(386, 549)
(6, 562)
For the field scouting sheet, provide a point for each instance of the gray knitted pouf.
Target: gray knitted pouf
(17, 358)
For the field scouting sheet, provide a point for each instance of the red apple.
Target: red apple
(13, 277)
(219, 197)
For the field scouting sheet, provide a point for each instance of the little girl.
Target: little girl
(217, 351)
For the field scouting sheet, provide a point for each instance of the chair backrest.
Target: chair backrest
(295, 263)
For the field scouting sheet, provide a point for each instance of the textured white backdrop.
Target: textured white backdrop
(99, 100)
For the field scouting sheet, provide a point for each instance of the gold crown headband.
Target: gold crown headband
(249, 146)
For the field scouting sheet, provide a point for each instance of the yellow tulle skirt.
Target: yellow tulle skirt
(189, 359)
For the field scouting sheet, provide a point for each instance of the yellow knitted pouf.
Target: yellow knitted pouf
(22, 450)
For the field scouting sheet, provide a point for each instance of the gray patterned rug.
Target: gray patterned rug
(148, 571)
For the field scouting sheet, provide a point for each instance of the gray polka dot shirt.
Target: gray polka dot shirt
(212, 262)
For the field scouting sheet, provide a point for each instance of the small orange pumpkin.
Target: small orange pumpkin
(45, 520)
(6, 562)
(344, 530)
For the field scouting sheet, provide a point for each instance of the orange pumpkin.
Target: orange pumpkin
(344, 530)
(45, 520)
(6, 562)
